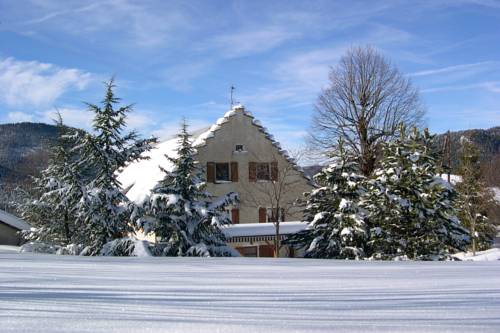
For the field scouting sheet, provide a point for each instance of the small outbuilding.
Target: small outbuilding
(10, 226)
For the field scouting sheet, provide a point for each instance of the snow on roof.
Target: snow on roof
(13, 221)
(262, 229)
(139, 177)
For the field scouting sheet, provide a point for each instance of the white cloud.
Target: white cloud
(17, 117)
(33, 83)
(76, 117)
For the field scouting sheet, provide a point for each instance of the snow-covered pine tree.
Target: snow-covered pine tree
(51, 208)
(336, 224)
(105, 213)
(410, 208)
(474, 198)
(184, 219)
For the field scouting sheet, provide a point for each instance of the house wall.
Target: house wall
(8, 235)
(221, 148)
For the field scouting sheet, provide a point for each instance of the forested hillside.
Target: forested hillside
(24, 148)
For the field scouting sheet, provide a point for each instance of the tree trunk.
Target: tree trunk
(277, 241)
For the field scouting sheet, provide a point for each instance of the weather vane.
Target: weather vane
(232, 89)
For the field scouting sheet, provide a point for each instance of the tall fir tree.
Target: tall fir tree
(410, 208)
(51, 208)
(105, 213)
(336, 226)
(182, 215)
(474, 198)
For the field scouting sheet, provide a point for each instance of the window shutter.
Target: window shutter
(274, 171)
(210, 172)
(235, 215)
(262, 215)
(282, 214)
(252, 171)
(234, 171)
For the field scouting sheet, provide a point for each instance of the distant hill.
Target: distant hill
(487, 141)
(24, 149)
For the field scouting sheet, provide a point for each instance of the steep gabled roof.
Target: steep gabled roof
(139, 178)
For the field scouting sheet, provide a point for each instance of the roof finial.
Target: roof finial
(232, 89)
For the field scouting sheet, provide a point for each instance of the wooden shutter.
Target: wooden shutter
(262, 215)
(210, 172)
(234, 171)
(274, 171)
(235, 215)
(252, 171)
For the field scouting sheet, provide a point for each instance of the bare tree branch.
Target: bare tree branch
(364, 104)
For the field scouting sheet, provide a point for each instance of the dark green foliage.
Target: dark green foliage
(104, 211)
(50, 207)
(336, 225)
(410, 208)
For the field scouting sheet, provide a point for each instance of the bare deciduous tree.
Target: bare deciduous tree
(275, 195)
(364, 104)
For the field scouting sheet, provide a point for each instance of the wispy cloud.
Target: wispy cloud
(137, 23)
(491, 86)
(472, 68)
(35, 83)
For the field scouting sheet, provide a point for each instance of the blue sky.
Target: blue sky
(179, 58)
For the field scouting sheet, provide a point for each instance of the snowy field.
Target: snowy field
(45, 293)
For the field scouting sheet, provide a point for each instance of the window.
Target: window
(263, 171)
(267, 215)
(239, 148)
(222, 171)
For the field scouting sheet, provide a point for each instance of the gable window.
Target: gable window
(222, 172)
(239, 148)
(262, 171)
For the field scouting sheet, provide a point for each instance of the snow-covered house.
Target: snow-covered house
(10, 226)
(240, 155)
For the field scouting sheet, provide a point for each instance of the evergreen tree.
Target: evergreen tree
(51, 208)
(410, 208)
(180, 212)
(336, 224)
(474, 198)
(105, 213)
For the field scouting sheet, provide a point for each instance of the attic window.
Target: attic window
(239, 148)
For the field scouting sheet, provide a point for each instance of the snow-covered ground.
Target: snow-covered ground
(47, 293)
(488, 255)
